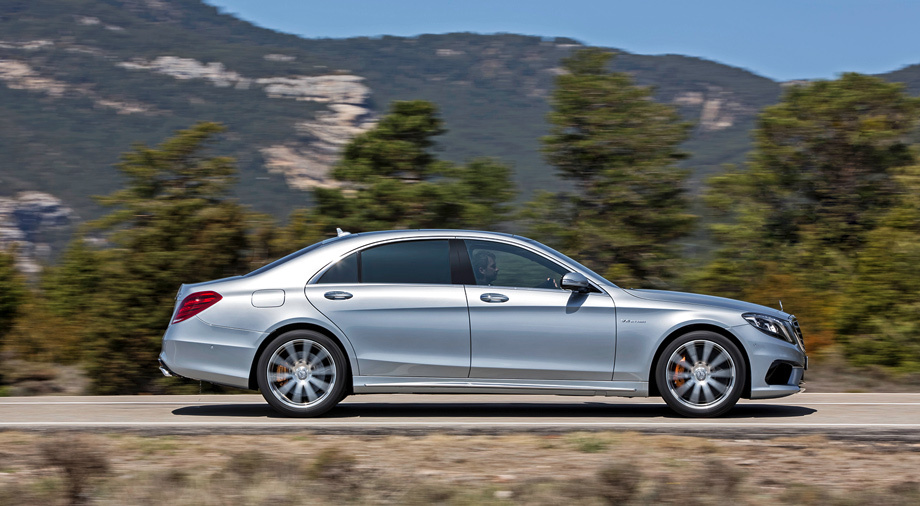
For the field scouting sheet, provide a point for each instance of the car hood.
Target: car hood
(706, 300)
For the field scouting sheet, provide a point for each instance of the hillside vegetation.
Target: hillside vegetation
(69, 105)
(254, 144)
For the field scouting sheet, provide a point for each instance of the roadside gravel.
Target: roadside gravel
(580, 467)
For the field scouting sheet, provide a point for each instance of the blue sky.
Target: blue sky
(780, 39)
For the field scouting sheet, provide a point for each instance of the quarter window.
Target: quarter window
(344, 271)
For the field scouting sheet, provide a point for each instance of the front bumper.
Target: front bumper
(777, 366)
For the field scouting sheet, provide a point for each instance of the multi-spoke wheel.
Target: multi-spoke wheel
(701, 374)
(302, 373)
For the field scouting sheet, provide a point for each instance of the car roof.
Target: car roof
(423, 232)
(345, 242)
(334, 247)
(316, 256)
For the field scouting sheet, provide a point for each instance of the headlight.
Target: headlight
(770, 325)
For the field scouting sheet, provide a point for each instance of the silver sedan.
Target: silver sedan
(449, 311)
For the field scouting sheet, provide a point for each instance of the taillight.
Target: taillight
(196, 303)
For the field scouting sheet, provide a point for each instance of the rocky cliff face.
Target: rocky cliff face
(313, 148)
(22, 218)
(306, 159)
(719, 109)
(19, 75)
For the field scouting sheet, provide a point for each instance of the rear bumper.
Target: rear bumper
(166, 370)
(197, 350)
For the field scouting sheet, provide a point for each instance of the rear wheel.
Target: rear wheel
(302, 373)
(701, 374)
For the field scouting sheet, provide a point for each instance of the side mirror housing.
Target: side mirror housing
(576, 282)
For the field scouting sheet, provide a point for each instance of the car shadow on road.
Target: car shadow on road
(519, 410)
(229, 410)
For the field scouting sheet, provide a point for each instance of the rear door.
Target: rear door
(397, 305)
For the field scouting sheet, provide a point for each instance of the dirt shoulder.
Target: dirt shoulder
(586, 468)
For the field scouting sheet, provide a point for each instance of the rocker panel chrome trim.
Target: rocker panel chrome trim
(376, 384)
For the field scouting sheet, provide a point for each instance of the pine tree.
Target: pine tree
(880, 322)
(12, 295)
(12, 292)
(390, 180)
(619, 147)
(816, 206)
(174, 222)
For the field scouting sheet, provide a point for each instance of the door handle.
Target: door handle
(337, 295)
(493, 297)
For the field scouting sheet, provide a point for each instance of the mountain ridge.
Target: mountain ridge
(82, 80)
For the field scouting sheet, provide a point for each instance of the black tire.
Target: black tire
(701, 374)
(302, 373)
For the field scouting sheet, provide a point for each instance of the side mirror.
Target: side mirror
(576, 282)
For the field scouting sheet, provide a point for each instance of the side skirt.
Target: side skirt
(409, 385)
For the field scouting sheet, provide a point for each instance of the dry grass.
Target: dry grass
(80, 460)
(577, 468)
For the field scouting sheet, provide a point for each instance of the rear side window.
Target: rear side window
(407, 262)
(416, 262)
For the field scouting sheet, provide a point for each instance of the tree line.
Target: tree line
(825, 215)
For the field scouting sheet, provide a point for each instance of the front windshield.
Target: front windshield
(577, 265)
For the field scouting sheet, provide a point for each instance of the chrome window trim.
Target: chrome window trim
(516, 242)
(319, 274)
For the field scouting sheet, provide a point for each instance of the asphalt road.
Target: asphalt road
(857, 416)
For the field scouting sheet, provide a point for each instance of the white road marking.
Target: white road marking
(845, 404)
(462, 424)
(396, 404)
(812, 394)
(116, 403)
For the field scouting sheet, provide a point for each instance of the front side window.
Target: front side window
(497, 264)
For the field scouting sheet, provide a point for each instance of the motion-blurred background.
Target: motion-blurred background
(148, 143)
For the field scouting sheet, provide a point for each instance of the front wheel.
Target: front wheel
(302, 373)
(701, 374)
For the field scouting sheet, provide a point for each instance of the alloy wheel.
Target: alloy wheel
(301, 373)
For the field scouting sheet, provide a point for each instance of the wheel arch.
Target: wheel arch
(653, 382)
(253, 383)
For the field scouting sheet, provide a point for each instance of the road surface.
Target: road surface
(859, 416)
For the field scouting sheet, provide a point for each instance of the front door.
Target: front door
(523, 326)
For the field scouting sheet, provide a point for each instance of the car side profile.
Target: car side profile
(453, 311)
